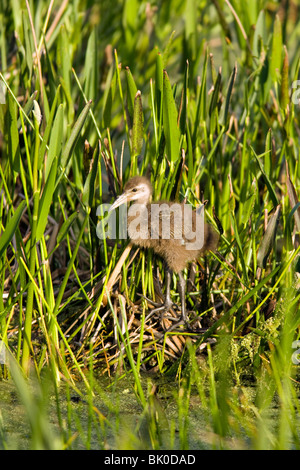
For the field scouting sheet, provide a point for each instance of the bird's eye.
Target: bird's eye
(134, 190)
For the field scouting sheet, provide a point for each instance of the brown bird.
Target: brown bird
(164, 227)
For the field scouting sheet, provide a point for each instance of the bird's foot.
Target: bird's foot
(155, 304)
(187, 321)
(179, 322)
(161, 308)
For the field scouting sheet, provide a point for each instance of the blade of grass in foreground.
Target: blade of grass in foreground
(75, 134)
(42, 436)
(137, 131)
(56, 325)
(11, 227)
(170, 121)
(33, 255)
(126, 341)
(266, 178)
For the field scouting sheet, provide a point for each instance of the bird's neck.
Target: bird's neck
(144, 201)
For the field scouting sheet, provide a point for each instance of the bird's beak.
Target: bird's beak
(119, 201)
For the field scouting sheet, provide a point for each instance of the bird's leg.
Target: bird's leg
(182, 289)
(163, 308)
(168, 302)
(183, 319)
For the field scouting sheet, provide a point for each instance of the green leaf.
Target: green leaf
(51, 74)
(268, 163)
(28, 42)
(64, 64)
(131, 93)
(75, 134)
(190, 157)
(260, 34)
(265, 79)
(46, 200)
(170, 118)
(28, 107)
(191, 27)
(109, 95)
(11, 227)
(159, 84)
(47, 132)
(137, 128)
(183, 104)
(201, 102)
(268, 239)
(225, 106)
(284, 90)
(239, 244)
(266, 178)
(293, 198)
(56, 139)
(91, 67)
(216, 92)
(129, 20)
(65, 227)
(13, 135)
(276, 54)
(248, 205)
(89, 185)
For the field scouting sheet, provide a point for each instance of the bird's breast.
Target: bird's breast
(174, 231)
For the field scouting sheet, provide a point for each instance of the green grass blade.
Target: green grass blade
(284, 89)
(64, 59)
(46, 200)
(27, 108)
(225, 107)
(47, 132)
(13, 135)
(89, 185)
(91, 68)
(266, 178)
(131, 93)
(215, 95)
(259, 34)
(56, 139)
(11, 227)
(293, 198)
(65, 227)
(276, 52)
(109, 95)
(201, 102)
(170, 120)
(159, 84)
(183, 104)
(75, 134)
(137, 131)
(268, 239)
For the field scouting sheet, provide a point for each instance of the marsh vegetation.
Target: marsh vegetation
(203, 99)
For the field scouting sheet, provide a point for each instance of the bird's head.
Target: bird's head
(137, 189)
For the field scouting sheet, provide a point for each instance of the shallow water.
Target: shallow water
(115, 420)
(118, 423)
